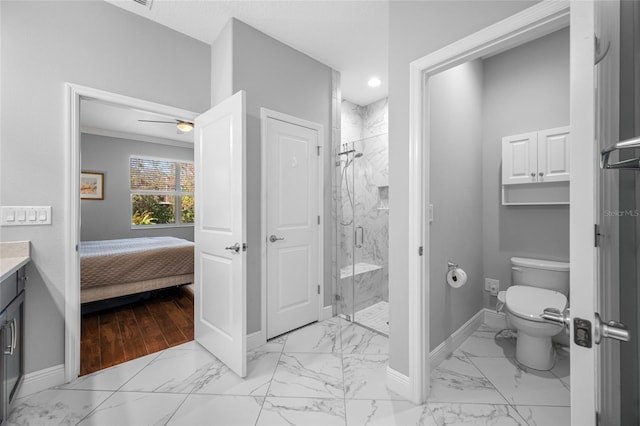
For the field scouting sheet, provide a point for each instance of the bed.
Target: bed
(113, 268)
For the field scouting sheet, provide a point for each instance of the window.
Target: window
(161, 192)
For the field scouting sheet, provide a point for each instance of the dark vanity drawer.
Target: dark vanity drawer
(9, 288)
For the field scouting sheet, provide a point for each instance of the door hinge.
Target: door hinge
(420, 251)
(337, 297)
(318, 288)
(318, 150)
(318, 220)
(244, 246)
(596, 235)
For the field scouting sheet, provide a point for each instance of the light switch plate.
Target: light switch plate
(25, 215)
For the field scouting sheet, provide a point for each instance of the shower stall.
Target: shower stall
(362, 290)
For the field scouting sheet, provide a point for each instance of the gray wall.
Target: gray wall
(415, 30)
(456, 194)
(280, 78)
(111, 218)
(525, 89)
(43, 45)
(222, 65)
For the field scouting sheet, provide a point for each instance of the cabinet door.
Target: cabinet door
(553, 155)
(519, 158)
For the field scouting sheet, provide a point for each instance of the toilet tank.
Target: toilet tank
(539, 273)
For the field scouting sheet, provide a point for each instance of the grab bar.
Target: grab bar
(361, 229)
(631, 164)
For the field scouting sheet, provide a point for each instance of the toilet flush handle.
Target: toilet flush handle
(554, 316)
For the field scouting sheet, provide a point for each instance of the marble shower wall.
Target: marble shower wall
(365, 129)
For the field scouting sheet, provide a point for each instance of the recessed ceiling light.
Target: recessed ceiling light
(374, 82)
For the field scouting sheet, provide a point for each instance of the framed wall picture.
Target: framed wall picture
(91, 186)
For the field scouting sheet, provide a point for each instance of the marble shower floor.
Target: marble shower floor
(375, 316)
(328, 373)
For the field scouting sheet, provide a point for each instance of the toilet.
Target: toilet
(535, 286)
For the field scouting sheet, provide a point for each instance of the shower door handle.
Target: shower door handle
(361, 229)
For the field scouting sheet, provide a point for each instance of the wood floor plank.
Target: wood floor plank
(131, 335)
(113, 336)
(172, 334)
(111, 346)
(151, 332)
(90, 360)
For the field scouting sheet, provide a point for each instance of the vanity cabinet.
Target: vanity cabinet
(11, 339)
(536, 167)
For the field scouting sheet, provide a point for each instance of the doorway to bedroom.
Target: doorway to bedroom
(136, 233)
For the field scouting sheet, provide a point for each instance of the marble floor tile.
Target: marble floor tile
(217, 410)
(562, 368)
(308, 375)
(273, 345)
(476, 414)
(320, 337)
(545, 416)
(362, 412)
(111, 378)
(484, 343)
(135, 408)
(365, 377)
(521, 385)
(55, 406)
(302, 411)
(189, 346)
(219, 379)
(458, 380)
(359, 340)
(177, 371)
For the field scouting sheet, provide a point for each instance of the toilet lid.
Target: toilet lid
(529, 302)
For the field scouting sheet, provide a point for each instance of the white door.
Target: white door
(220, 233)
(519, 158)
(553, 155)
(594, 122)
(292, 225)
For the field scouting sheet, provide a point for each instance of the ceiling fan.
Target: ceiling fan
(183, 126)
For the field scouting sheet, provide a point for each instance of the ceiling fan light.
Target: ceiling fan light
(184, 126)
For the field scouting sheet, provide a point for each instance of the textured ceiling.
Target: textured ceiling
(348, 35)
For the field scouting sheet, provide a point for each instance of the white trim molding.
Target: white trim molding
(539, 20)
(73, 95)
(264, 115)
(398, 383)
(40, 380)
(453, 342)
(327, 312)
(256, 339)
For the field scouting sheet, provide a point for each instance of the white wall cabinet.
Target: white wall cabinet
(535, 167)
(536, 157)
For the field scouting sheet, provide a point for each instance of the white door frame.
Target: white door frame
(264, 115)
(73, 94)
(530, 24)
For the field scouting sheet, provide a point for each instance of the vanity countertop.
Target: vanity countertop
(13, 256)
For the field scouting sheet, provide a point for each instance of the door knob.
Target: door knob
(273, 238)
(234, 248)
(611, 329)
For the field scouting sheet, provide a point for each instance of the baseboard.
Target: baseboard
(255, 340)
(446, 348)
(327, 312)
(398, 383)
(42, 379)
(495, 319)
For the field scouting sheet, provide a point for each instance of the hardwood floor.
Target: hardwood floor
(116, 335)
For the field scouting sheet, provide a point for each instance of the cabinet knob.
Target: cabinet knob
(540, 174)
(533, 174)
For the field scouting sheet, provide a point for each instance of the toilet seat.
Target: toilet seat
(529, 302)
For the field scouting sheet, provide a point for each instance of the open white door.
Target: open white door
(220, 233)
(594, 251)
